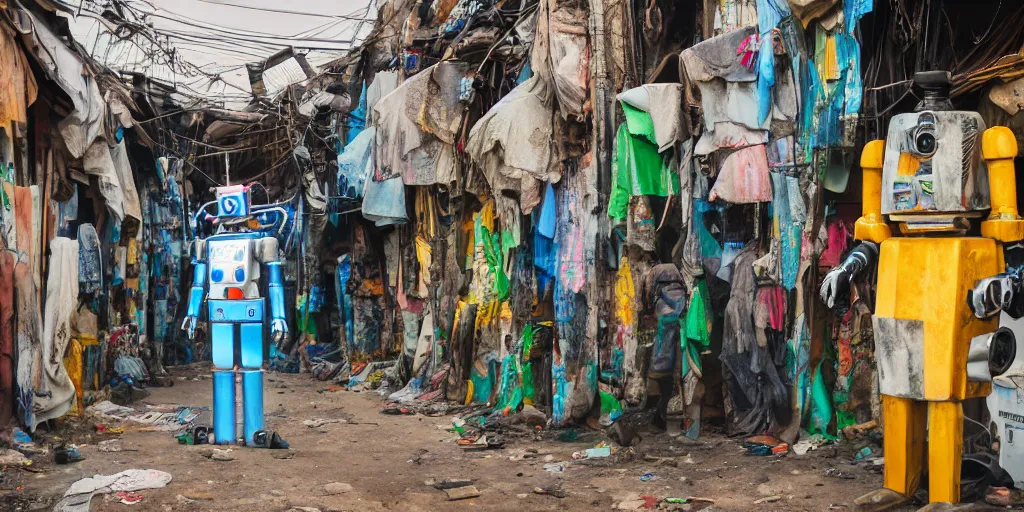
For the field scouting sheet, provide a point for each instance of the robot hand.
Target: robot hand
(837, 279)
(189, 326)
(278, 329)
(995, 294)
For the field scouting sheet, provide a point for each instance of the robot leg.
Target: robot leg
(222, 349)
(904, 454)
(945, 450)
(252, 378)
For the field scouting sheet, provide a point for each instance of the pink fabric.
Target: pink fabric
(837, 238)
(744, 177)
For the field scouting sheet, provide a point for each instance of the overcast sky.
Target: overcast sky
(221, 36)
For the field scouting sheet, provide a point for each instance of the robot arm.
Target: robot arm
(268, 254)
(1001, 292)
(196, 295)
(837, 279)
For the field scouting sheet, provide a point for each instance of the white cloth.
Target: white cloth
(98, 162)
(131, 203)
(81, 127)
(664, 103)
(78, 496)
(57, 392)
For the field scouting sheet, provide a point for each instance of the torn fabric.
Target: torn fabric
(512, 144)
(56, 392)
(744, 177)
(416, 125)
(561, 57)
(85, 123)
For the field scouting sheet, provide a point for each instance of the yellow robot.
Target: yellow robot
(939, 285)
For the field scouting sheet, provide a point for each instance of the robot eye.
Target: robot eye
(924, 143)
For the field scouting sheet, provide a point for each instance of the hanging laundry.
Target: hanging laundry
(560, 57)
(512, 143)
(56, 392)
(663, 102)
(638, 168)
(416, 126)
(355, 165)
(744, 177)
(90, 266)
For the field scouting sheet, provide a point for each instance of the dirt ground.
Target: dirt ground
(387, 461)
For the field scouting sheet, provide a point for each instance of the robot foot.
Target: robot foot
(944, 507)
(880, 500)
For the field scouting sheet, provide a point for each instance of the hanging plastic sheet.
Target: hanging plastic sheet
(356, 121)
(355, 164)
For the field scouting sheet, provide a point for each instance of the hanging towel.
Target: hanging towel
(56, 393)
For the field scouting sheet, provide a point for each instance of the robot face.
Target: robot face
(232, 201)
(933, 164)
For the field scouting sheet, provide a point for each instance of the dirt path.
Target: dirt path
(387, 465)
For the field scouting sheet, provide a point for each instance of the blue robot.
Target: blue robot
(227, 273)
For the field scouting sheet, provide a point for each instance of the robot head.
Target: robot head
(232, 201)
(933, 161)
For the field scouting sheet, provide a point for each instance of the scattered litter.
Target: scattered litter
(554, 468)
(13, 458)
(600, 451)
(763, 445)
(20, 437)
(106, 429)
(218, 454)
(284, 455)
(319, 422)
(67, 455)
(768, 499)
(558, 493)
(334, 488)
(998, 496)
(169, 418)
(462, 493)
(450, 483)
(835, 473)
(128, 498)
(398, 411)
(860, 429)
(112, 446)
(648, 476)
(78, 496)
(809, 442)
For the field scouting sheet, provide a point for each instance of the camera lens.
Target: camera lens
(924, 143)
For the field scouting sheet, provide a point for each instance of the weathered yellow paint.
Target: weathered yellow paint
(908, 165)
(927, 279)
(871, 226)
(903, 442)
(999, 147)
(945, 448)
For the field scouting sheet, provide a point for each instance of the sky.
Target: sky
(214, 39)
